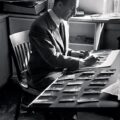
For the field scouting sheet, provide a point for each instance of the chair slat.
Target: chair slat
(18, 58)
(27, 53)
(23, 56)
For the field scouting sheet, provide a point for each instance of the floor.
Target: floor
(8, 102)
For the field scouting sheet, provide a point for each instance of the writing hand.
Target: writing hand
(90, 60)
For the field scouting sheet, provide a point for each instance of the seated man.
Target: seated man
(49, 38)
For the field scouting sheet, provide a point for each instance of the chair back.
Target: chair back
(21, 48)
(21, 54)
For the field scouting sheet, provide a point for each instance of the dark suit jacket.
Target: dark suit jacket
(49, 51)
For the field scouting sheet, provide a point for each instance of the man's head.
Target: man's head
(64, 8)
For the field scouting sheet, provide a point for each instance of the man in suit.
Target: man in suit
(49, 38)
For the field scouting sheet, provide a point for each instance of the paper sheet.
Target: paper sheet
(113, 89)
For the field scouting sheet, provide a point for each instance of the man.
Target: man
(49, 45)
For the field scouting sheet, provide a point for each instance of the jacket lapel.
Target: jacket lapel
(55, 32)
(58, 38)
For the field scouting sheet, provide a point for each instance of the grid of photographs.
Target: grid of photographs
(79, 87)
(67, 89)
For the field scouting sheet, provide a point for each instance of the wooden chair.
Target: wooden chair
(21, 54)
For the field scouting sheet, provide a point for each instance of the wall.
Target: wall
(4, 57)
(99, 6)
(111, 33)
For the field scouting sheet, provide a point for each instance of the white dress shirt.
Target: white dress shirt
(55, 18)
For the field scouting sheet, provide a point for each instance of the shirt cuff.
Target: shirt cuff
(81, 63)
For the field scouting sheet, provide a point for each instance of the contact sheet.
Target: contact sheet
(81, 88)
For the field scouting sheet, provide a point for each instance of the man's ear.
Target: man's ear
(59, 5)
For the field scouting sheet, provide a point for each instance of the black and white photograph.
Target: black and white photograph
(59, 59)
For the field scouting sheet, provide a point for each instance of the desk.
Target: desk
(100, 21)
(78, 90)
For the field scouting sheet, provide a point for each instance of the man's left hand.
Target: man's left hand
(83, 54)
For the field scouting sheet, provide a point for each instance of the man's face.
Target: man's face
(68, 9)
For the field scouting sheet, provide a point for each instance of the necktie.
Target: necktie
(62, 34)
(62, 31)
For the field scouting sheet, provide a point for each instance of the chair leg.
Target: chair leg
(17, 112)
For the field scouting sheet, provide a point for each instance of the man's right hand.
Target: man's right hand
(90, 60)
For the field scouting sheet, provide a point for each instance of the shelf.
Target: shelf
(76, 46)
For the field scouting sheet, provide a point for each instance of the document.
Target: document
(113, 89)
(106, 59)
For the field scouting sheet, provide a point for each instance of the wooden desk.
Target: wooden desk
(79, 90)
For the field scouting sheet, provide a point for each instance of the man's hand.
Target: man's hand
(90, 60)
(83, 54)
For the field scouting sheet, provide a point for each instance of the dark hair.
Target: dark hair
(63, 1)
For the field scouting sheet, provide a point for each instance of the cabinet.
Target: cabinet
(111, 35)
(19, 23)
(81, 34)
(107, 30)
(4, 52)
